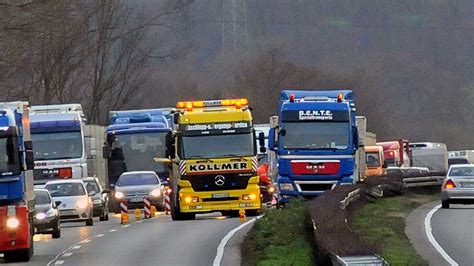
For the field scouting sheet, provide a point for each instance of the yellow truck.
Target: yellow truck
(212, 154)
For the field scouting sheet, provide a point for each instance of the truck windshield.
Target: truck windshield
(217, 146)
(57, 145)
(315, 135)
(135, 151)
(373, 159)
(9, 158)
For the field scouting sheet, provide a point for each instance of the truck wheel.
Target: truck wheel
(445, 204)
(251, 213)
(90, 221)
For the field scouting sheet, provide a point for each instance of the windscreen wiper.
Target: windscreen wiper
(242, 158)
(199, 158)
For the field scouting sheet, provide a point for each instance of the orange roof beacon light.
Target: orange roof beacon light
(189, 105)
(340, 98)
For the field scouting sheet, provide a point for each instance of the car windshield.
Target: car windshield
(42, 197)
(135, 151)
(57, 145)
(315, 135)
(462, 171)
(66, 189)
(137, 180)
(229, 145)
(373, 159)
(92, 186)
(9, 159)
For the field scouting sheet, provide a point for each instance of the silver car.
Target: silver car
(76, 205)
(458, 187)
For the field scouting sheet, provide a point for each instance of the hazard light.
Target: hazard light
(292, 98)
(189, 105)
(340, 97)
(449, 184)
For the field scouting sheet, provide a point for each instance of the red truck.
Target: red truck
(396, 152)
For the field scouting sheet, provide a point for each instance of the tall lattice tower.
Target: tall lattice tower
(235, 37)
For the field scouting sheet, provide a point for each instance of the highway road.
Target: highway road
(157, 241)
(453, 229)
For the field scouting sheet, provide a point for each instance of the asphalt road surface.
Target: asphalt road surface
(157, 241)
(453, 229)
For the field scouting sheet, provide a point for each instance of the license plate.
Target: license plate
(467, 185)
(136, 199)
(220, 195)
(67, 212)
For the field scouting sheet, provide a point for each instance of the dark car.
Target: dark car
(100, 198)
(133, 187)
(46, 220)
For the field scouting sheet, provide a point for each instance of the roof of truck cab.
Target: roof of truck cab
(215, 115)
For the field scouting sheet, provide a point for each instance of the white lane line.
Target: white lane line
(431, 238)
(69, 254)
(76, 247)
(59, 262)
(113, 230)
(125, 226)
(138, 222)
(220, 248)
(85, 241)
(100, 235)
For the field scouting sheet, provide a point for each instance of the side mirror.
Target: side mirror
(175, 118)
(263, 149)
(29, 159)
(356, 138)
(385, 164)
(170, 148)
(91, 193)
(282, 132)
(57, 203)
(106, 151)
(29, 145)
(272, 143)
(261, 139)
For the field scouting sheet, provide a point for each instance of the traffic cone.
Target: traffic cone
(242, 215)
(153, 211)
(124, 213)
(138, 214)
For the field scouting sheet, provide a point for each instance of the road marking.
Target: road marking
(138, 222)
(85, 241)
(76, 247)
(431, 238)
(100, 235)
(220, 248)
(113, 230)
(125, 226)
(59, 262)
(69, 254)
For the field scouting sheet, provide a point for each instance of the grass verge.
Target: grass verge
(382, 223)
(281, 237)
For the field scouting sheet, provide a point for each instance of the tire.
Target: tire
(177, 215)
(90, 221)
(105, 215)
(252, 213)
(445, 204)
(56, 232)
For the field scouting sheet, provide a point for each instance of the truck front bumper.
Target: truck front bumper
(289, 189)
(191, 201)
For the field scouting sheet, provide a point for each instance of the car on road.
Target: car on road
(99, 196)
(458, 186)
(76, 205)
(46, 220)
(134, 187)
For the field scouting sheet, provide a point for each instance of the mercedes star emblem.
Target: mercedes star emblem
(219, 180)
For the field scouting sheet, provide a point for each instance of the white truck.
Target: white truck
(64, 146)
(461, 157)
(432, 155)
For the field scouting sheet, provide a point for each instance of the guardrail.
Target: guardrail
(423, 181)
(350, 198)
(374, 260)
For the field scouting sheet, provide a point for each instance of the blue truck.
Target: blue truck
(315, 140)
(16, 182)
(134, 138)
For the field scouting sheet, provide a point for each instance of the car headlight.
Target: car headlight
(82, 203)
(40, 216)
(119, 195)
(50, 213)
(97, 201)
(155, 192)
(286, 186)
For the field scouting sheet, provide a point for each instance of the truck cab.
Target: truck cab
(213, 159)
(60, 149)
(315, 140)
(16, 182)
(375, 162)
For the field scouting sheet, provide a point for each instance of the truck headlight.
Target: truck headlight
(286, 186)
(13, 223)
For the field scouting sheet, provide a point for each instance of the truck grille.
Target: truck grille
(208, 182)
(315, 187)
